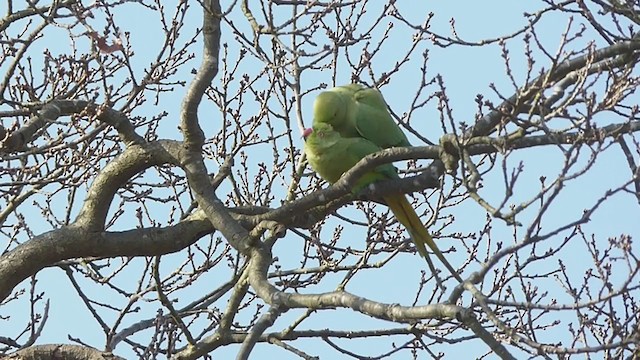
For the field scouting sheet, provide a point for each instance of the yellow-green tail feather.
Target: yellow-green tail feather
(405, 214)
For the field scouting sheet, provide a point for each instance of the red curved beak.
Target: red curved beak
(307, 132)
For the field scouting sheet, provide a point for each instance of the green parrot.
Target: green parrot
(357, 111)
(331, 155)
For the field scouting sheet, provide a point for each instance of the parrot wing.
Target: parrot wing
(374, 122)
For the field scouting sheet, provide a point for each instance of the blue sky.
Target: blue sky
(467, 71)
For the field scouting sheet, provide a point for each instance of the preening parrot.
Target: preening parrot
(331, 155)
(357, 111)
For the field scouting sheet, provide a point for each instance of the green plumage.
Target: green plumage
(357, 111)
(331, 155)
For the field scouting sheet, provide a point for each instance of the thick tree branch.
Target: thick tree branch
(193, 134)
(47, 115)
(260, 262)
(76, 242)
(117, 173)
(486, 125)
(62, 351)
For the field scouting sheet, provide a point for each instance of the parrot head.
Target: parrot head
(321, 135)
(329, 108)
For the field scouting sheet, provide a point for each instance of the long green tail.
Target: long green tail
(405, 214)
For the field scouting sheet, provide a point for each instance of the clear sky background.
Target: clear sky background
(467, 71)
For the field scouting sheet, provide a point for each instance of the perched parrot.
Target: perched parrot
(357, 111)
(331, 155)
